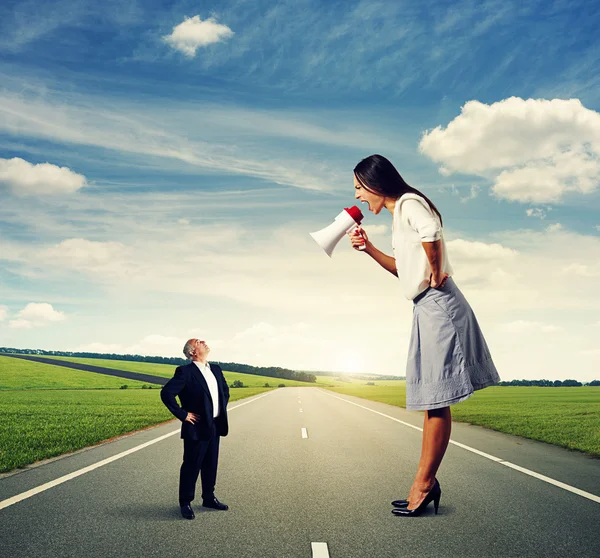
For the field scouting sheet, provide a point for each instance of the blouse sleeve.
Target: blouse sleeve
(421, 220)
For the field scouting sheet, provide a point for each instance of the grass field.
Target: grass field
(167, 371)
(47, 410)
(24, 374)
(563, 416)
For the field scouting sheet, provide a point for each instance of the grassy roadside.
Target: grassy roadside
(28, 375)
(167, 371)
(564, 416)
(38, 424)
(47, 410)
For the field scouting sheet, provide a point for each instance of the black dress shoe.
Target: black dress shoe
(187, 511)
(215, 504)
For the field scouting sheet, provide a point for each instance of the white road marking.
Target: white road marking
(304, 433)
(544, 478)
(75, 474)
(319, 550)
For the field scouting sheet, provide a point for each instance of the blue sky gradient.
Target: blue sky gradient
(203, 174)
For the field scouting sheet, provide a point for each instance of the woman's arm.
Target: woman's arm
(359, 237)
(433, 250)
(429, 229)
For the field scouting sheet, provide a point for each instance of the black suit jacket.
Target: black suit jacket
(191, 387)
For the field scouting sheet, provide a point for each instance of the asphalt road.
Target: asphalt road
(286, 492)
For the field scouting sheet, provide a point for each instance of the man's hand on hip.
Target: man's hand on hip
(192, 417)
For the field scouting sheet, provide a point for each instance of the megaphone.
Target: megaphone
(347, 220)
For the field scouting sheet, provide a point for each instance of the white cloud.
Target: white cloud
(157, 344)
(538, 212)
(260, 344)
(97, 347)
(25, 179)
(475, 189)
(535, 150)
(180, 139)
(547, 180)
(3, 312)
(90, 256)
(184, 222)
(467, 249)
(377, 230)
(582, 270)
(203, 334)
(492, 275)
(36, 314)
(40, 312)
(151, 345)
(280, 277)
(193, 33)
(597, 227)
(521, 326)
(296, 344)
(20, 324)
(554, 228)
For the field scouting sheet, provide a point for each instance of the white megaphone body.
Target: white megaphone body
(346, 221)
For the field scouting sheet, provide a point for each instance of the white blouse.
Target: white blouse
(415, 222)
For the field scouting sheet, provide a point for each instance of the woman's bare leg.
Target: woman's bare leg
(436, 435)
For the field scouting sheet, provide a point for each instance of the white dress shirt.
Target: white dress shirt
(211, 381)
(415, 222)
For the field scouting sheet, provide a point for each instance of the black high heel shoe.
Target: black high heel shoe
(433, 495)
(403, 503)
(400, 503)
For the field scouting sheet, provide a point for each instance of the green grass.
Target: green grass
(40, 424)
(167, 371)
(28, 375)
(164, 370)
(564, 416)
(37, 422)
(48, 410)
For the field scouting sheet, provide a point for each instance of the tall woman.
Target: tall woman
(448, 358)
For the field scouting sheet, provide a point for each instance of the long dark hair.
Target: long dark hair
(377, 174)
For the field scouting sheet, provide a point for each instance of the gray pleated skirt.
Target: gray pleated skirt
(448, 358)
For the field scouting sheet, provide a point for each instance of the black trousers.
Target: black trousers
(199, 457)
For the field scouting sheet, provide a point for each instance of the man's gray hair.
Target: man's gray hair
(188, 348)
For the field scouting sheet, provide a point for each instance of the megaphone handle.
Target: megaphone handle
(364, 246)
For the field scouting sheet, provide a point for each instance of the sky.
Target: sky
(162, 165)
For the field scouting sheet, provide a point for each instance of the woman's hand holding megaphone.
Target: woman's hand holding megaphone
(359, 239)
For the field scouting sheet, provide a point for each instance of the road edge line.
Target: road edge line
(498, 460)
(60, 480)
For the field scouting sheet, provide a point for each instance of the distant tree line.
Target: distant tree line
(271, 371)
(550, 383)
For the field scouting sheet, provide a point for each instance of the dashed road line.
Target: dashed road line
(319, 550)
